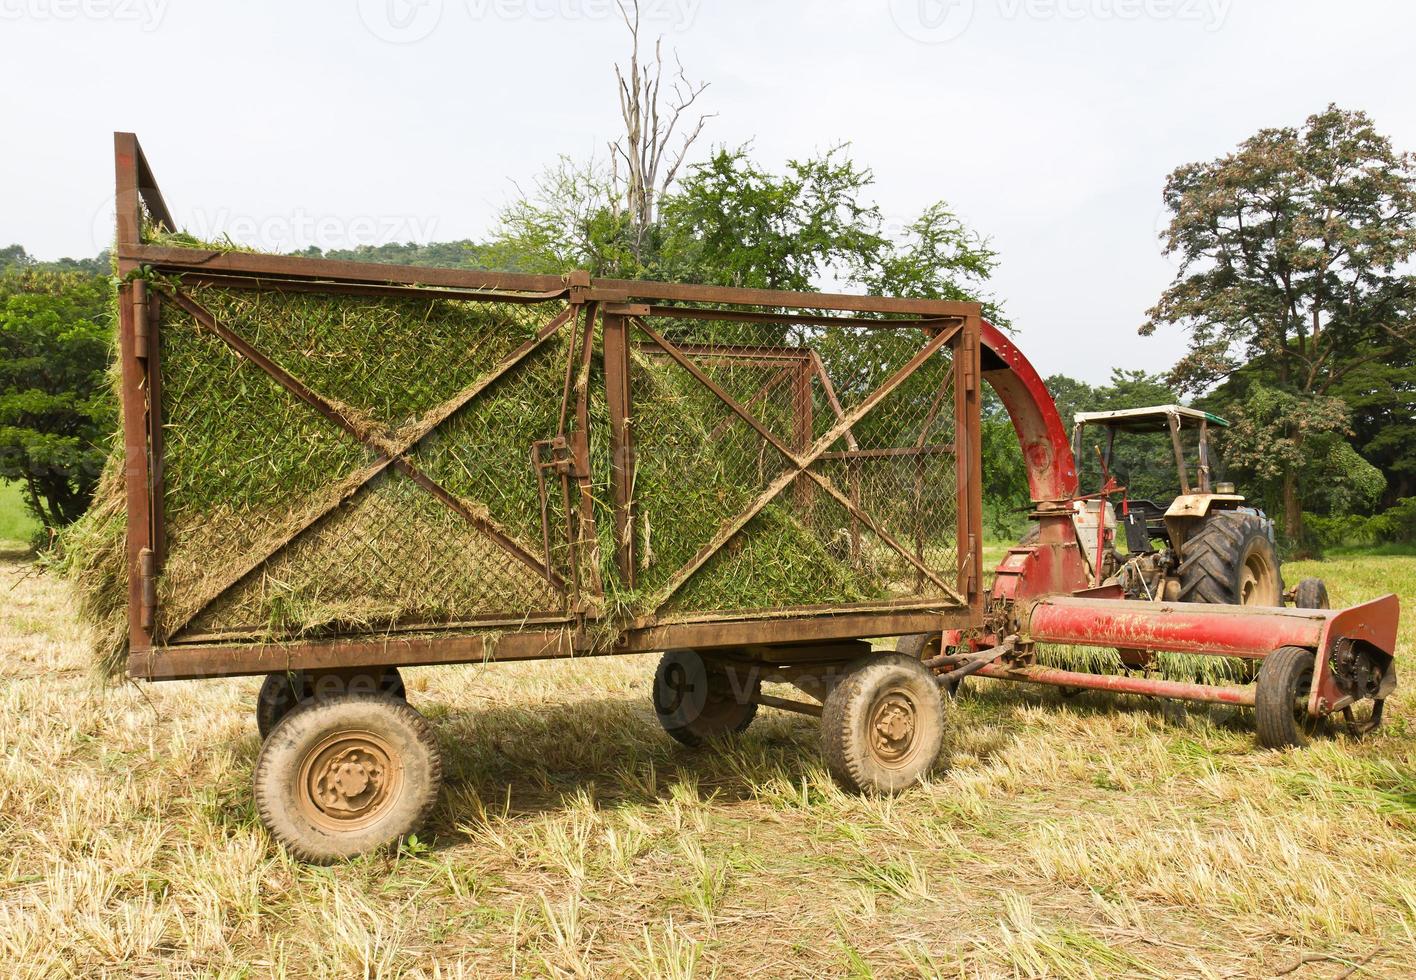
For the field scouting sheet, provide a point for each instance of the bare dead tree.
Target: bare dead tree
(644, 161)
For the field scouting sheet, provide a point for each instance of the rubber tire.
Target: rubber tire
(1311, 594)
(281, 693)
(696, 702)
(846, 716)
(1215, 555)
(915, 645)
(277, 774)
(1285, 677)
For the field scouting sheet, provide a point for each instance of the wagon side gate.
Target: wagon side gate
(845, 435)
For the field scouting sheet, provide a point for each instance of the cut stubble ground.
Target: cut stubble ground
(1094, 836)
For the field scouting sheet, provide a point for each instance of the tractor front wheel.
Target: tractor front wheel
(1311, 593)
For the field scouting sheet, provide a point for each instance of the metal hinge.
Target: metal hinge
(147, 587)
(142, 334)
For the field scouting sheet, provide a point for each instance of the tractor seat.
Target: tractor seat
(1148, 509)
(1145, 520)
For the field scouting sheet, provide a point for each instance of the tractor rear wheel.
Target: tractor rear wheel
(1281, 698)
(1230, 560)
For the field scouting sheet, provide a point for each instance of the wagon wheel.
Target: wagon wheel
(346, 775)
(883, 724)
(922, 646)
(281, 693)
(698, 699)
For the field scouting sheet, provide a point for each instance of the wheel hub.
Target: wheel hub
(348, 780)
(893, 727)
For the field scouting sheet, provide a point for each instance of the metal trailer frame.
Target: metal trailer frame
(621, 308)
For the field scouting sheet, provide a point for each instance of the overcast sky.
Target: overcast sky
(1049, 125)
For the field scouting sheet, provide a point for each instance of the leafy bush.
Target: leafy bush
(1396, 525)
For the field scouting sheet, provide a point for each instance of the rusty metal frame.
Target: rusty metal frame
(389, 453)
(801, 461)
(598, 309)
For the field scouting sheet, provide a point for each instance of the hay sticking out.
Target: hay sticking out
(1187, 667)
(92, 555)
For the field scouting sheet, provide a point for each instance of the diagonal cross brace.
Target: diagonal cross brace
(799, 462)
(391, 452)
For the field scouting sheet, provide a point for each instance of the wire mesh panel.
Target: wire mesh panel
(344, 463)
(781, 466)
(322, 453)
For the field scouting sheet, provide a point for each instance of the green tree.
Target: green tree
(55, 407)
(14, 256)
(464, 254)
(1382, 397)
(735, 224)
(570, 220)
(1293, 252)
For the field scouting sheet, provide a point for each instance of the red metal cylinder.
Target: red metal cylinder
(1227, 631)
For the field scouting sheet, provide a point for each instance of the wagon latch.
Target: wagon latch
(553, 455)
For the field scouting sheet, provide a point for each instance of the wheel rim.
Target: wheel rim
(349, 780)
(1305, 723)
(893, 725)
(1258, 581)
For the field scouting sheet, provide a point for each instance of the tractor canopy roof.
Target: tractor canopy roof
(1153, 419)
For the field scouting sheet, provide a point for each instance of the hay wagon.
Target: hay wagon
(334, 470)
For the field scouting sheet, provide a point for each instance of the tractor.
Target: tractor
(1205, 543)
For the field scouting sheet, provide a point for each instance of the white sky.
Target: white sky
(1049, 125)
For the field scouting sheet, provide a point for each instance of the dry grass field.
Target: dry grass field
(1095, 836)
